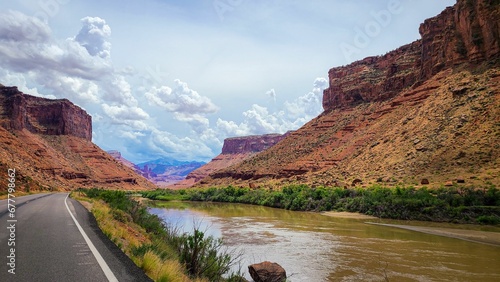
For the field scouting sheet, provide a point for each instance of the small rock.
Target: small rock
(421, 149)
(424, 181)
(460, 180)
(448, 183)
(267, 272)
(356, 182)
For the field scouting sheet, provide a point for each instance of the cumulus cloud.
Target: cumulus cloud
(8, 78)
(259, 120)
(80, 68)
(39, 52)
(16, 26)
(133, 135)
(77, 89)
(118, 90)
(187, 105)
(309, 105)
(94, 37)
(134, 118)
(180, 99)
(165, 143)
(125, 113)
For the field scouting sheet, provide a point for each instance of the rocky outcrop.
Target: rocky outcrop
(250, 144)
(43, 116)
(428, 110)
(373, 79)
(118, 156)
(234, 151)
(468, 32)
(48, 142)
(267, 272)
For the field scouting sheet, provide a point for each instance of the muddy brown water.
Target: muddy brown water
(315, 247)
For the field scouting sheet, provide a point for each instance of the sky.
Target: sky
(165, 78)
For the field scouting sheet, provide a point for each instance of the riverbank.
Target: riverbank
(352, 215)
(477, 236)
(483, 237)
(447, 204)
(162, 251)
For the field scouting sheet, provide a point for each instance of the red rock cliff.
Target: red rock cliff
(250, 144)
(43, 116)
(468, 32)
(374, 78)
(234, 151)
(428, 110)
(48, 143)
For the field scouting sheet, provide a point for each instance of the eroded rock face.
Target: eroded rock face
(267, 272)
(468, 32)
(48, 142)
(234, 151)
(429, 109)
(43, 116)
(250, 144)
(373, 79)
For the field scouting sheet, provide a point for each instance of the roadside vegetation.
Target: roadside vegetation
(446, 204)
(163, 252)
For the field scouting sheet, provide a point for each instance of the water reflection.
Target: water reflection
(314, 247)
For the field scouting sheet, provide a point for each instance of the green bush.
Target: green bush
(453, 204)
(203, 256)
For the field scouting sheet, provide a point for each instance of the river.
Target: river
(315, 247)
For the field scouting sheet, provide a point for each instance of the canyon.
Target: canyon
(234, 151)
(426, 113)
(48, 143)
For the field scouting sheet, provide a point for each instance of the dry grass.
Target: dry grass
(128, 235)
(163, 270)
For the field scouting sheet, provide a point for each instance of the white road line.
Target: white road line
(104, 266)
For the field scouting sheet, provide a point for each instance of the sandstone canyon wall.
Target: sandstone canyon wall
(430, 109)
(43, 116)
(234, 151)
(48, 142)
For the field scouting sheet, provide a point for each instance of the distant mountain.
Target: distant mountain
(161, 165)
(163, 171)
(234, 151)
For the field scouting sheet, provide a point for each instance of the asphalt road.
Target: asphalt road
(53, 245)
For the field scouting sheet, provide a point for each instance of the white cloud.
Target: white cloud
(133, 135)
(80, 68)
(187, 105)
(118, 90)
(16, 26)
(180, 99)
(41, 53)
(125, 113)
(94, 37)
(271, 93)
(309, 105)
(76, 89)
(259, 120)
(166, 143)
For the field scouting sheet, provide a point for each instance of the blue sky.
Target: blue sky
(175, 78)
